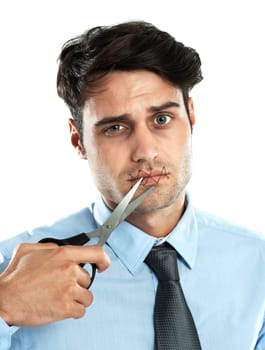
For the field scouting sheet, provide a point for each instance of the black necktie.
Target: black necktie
(174, 325)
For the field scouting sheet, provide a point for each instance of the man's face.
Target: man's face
(137, 126)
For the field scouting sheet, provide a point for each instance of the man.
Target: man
(127, 87)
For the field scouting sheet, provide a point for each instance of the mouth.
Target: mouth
(150, 177)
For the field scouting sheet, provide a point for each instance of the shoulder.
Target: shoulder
(230, 244)
(77, 222)
(220, 229)
(80, 221)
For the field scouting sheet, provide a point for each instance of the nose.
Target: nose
(144, 146)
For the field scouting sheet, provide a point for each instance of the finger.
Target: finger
(83, 277)
(25, 248)
(86, 254)
(84, 297)
(79, 310)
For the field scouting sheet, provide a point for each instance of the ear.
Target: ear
(191, 111)
(76, 139)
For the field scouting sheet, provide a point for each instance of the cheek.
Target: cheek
(179, 142)
(107, 158)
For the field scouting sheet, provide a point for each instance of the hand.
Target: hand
(44, 283)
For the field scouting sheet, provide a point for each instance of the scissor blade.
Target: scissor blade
(120, 212)
(134, 204)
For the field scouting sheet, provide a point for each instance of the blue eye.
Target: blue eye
(162, 119)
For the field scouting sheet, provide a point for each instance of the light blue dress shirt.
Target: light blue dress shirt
(222, 271)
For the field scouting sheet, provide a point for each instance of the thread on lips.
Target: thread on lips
(147, 174)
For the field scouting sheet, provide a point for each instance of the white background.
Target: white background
(41, 177)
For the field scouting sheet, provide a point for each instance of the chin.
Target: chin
(159, 200)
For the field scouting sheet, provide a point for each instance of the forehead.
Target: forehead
(121, 91)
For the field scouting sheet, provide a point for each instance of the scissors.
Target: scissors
(120, 213)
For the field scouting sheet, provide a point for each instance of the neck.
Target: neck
(159, 222)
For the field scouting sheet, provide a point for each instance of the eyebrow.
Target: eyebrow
(115, 119)
(125, 117)
(166, 105)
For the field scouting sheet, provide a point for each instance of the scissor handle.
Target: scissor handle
(79, 239)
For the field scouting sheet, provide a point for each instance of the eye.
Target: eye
(162, 119)
(113, 129)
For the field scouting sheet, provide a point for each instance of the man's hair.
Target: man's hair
(129, 46)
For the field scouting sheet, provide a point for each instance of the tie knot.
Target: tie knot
(163, 261)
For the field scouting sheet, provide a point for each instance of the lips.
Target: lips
(150, 177)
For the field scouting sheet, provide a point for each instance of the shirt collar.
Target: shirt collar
(132, 245)
(184, 237)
